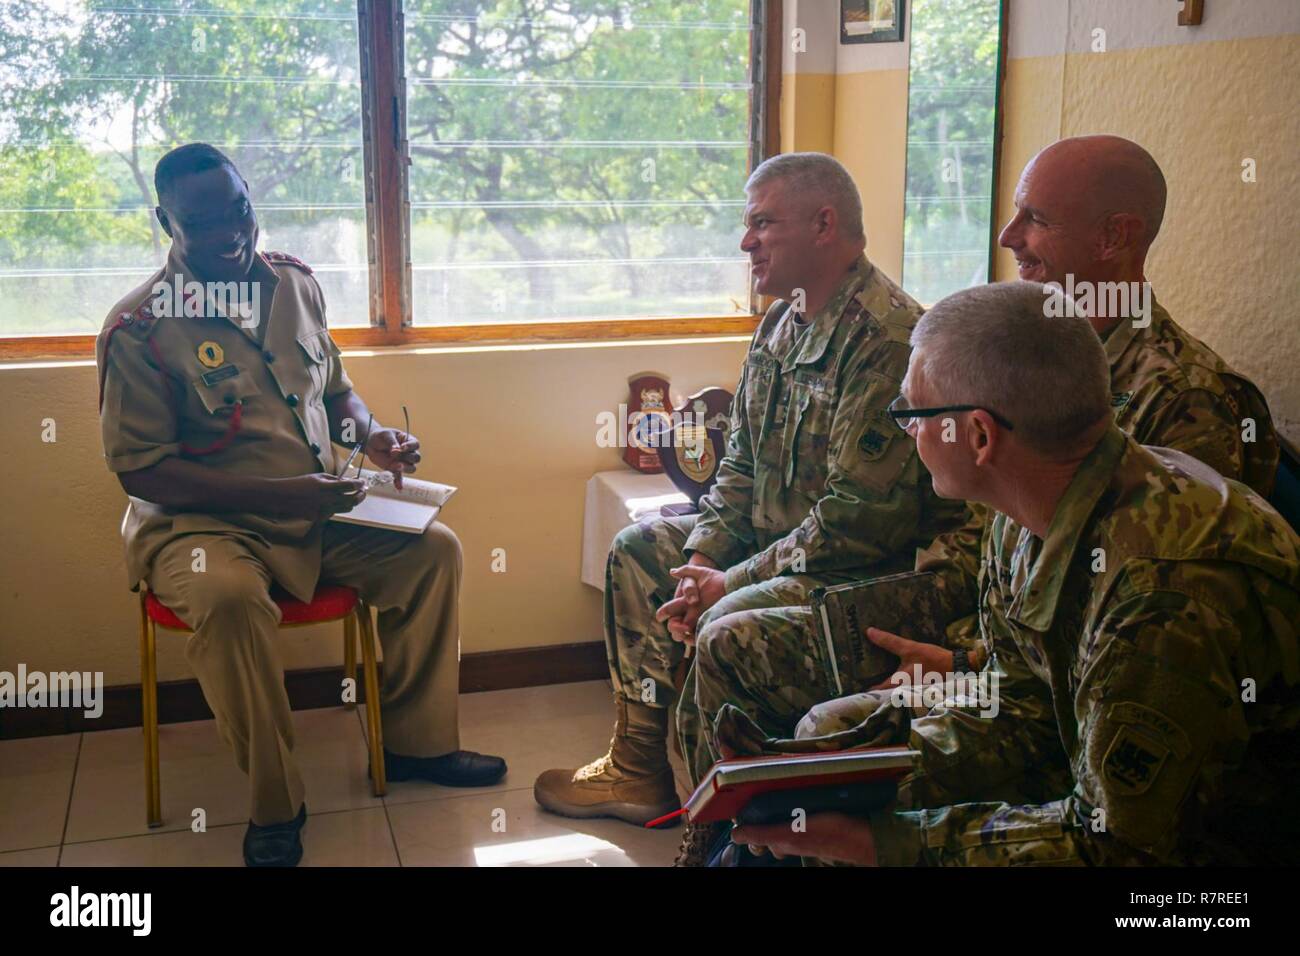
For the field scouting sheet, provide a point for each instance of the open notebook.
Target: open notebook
(412, 509)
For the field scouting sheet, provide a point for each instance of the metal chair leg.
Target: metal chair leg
(374, 729)
(149, 715)
(350, 656)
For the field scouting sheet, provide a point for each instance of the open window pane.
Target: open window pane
(577, 160)
(93, 92)
(952, 97)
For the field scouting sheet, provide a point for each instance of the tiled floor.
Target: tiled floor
(78, 800)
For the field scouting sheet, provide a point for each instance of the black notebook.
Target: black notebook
(907, 604)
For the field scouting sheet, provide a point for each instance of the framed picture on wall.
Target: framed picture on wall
(871, 21)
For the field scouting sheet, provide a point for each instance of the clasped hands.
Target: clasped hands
(700, 585)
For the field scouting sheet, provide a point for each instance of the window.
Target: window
(569, 160)
(956, 52)
(582, 160)
(95, 93)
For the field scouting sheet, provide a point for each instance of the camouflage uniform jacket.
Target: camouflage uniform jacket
(1151, 640)
(1167, 389)
(816, 476)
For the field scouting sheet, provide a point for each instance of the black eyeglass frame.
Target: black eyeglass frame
(897, 414)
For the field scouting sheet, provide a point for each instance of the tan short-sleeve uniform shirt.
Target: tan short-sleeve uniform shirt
(244, 393)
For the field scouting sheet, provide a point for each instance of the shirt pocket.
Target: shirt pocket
(218, 393)
(758, 408)
(807, 436)
(317, 358)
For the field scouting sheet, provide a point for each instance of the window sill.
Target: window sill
(71, 347)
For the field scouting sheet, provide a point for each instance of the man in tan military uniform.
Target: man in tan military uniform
(1168, 389)
(818, 486)
(1142, 611)
(219, 423)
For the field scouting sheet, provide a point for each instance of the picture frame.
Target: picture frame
(872, 21)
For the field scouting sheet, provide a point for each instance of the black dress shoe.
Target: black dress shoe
(278, 844)
(460, 768)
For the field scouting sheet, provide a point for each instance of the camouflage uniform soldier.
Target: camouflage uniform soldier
(1168, 389)
(1142, 611)
(818, 485)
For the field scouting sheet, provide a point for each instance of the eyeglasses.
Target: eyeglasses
(378, 477)
(904, 417)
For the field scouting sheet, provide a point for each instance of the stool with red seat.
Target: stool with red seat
(329, 603)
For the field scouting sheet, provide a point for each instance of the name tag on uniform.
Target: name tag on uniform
(220, 375)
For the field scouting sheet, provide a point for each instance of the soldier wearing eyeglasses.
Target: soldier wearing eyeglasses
(817, 486)
(1087, 211)
(1142, 612)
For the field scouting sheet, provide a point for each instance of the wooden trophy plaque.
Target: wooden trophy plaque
(699, 440)
(648, 423)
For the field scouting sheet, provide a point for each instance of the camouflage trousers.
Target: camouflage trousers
(641, 652)
(962, 760)
(764, 661)
(768, 664)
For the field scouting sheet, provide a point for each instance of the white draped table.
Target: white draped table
(616, 499)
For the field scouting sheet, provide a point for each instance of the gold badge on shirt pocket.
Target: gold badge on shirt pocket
(211, 354)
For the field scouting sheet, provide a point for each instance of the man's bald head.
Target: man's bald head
(1110, 174)
(1089, 206)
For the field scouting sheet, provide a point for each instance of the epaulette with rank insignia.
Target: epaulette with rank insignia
(286, 259)
(139, 322)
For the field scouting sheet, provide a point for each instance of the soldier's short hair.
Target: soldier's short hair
(186, 161)
(819, 179)
(1019, 349)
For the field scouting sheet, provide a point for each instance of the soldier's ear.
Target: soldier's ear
(162, 220)
(1119, 231)
(982, 434)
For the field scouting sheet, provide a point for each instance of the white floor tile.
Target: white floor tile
(45, 856)
(346, 838)
(533, 728)
(469, 832)
(198, 771)
(35, 784)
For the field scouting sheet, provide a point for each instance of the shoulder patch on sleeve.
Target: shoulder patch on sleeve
(283, 258)
(1133, 760)
(877, 435)
(1155, 723)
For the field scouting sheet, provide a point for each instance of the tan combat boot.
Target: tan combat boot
(632, 782)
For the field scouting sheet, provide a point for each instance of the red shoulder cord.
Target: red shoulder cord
(236, 417)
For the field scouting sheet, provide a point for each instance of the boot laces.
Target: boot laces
(696, 840)
(598, 767)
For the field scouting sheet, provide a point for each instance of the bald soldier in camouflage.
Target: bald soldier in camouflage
(818, 485)
(1142, 611)
(1088, 210)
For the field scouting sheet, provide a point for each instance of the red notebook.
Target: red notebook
(732, 784)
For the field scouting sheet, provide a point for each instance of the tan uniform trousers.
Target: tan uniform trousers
(411, 580)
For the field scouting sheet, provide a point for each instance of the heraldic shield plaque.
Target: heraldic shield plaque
(699, 440)
(648, 422)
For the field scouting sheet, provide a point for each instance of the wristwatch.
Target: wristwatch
(960, 662)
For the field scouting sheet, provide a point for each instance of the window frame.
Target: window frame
(998, 136)
(385, 151)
